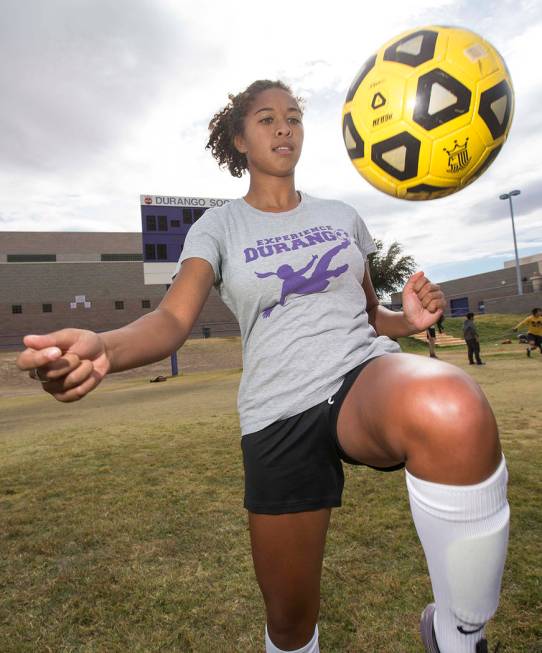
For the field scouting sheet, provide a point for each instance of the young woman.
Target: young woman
(324, 382)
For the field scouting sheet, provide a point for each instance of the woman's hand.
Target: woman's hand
(423, 302)
(69, 363)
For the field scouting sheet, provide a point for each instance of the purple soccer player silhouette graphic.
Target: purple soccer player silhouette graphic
(295, 282)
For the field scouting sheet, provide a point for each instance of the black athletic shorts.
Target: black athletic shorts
(294, 464)
(535, 340)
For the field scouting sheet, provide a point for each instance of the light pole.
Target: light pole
(508, 196)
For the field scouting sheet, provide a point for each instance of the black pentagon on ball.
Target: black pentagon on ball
(425, 188)
(458, 99)
(424, 48)
(428, 191)
(497, 123)
(353, 141)
(485, 165)
(403, 149)
(362, 74)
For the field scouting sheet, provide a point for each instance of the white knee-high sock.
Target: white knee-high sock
(464, 533)
(311, 647)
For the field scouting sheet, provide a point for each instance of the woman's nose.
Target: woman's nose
(284, 129)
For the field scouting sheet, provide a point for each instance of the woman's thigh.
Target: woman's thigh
(427, 413)
(288, 551)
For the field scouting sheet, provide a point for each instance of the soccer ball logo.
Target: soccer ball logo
(428, 113)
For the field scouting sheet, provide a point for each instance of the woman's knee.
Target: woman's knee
(291, 624)
(449, 429)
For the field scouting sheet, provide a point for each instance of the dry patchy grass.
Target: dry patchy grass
(122, 527)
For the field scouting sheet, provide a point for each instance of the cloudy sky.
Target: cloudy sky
(103, 100)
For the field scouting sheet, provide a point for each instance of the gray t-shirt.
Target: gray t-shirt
(293, 280)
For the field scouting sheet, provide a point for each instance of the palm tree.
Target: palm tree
(389, 270)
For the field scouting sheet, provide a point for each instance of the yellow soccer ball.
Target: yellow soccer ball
(428, 113)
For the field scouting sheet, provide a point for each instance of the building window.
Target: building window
(162, 223)
(151, 223)
(459, 306)
(121, 257)
(31, 258)
(47, 308)
(175, 223)
(198, 213)
(119, 306)
(16, 308)
(145, 303)
(155, 252)
(150, 252)
(187, 216)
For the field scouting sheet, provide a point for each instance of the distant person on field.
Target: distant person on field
(534, 330)
(440, 324)
(470, 333)
(431, 340)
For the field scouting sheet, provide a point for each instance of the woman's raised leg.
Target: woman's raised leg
(436, 419)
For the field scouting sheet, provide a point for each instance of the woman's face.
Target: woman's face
(273, 133)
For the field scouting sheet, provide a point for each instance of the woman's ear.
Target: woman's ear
(240, 144)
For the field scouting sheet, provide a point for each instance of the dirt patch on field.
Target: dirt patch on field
(195, 356)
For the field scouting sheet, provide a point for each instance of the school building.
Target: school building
(49, 281)
(493, 292)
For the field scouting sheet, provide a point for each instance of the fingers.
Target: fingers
(429, 290)
(434, 304)
(40, 350)
(31, 358)
(58, 368)
(43, 349)
(430, 295)
(62, 339)
(420, 282)
(75, 385)
(432, 298)
(414, 281)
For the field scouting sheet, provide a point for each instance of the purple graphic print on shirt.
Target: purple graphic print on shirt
(295, 283)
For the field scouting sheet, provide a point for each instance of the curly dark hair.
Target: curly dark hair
(228, 123)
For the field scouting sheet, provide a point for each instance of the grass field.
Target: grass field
(122, 527)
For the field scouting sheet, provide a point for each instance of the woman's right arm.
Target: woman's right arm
(156, 335)
(72, 362)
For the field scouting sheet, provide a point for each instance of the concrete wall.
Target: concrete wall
(497, 290)
(31, 285)
(515, 304)
(86, 245)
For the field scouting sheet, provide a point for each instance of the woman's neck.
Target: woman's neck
(274, 197)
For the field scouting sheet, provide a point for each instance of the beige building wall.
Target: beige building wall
(492, 292)
(80, 290)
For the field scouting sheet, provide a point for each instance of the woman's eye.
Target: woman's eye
(267, 121)
(295, 121)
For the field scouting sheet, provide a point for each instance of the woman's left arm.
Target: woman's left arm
(423, 304)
